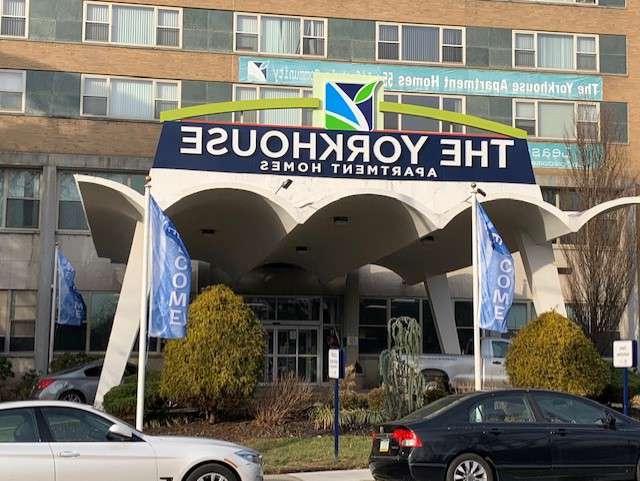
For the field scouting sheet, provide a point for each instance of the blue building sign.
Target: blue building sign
(437, 80)
(296, 151)
(552, 155)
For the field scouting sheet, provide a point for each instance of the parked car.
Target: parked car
(508, 435)
(61, 441)
(457, 371)
(78, 384)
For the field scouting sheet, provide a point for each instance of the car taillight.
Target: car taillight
(406, 438)
(44, 383)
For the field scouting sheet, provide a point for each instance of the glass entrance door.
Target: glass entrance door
(292, 349)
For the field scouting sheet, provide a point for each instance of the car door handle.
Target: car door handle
(560, 432)
(495, 431)
(69, 454)
(497, 363)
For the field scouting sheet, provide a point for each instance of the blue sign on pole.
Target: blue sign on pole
(437, 80)
(497, 274)
(171, 277)
(295, 151)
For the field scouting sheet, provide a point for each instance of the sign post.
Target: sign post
(336, 372)
(625, 354)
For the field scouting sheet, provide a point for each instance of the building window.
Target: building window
(280, 35)
(128, 98)
(13, 18)
(420, 43)
(276, 116)
(70, 211)
(555, 51)
(132, 24)
(22, 321)
(12, 88)
(19, 195)
(557, 120)
(413, 123)
(373, 326)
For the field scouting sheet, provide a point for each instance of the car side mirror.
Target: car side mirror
(609, 420)
(120, 432)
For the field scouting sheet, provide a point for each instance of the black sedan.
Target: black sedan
(508, 435)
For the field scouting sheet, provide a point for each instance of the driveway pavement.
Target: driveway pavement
(353, 475)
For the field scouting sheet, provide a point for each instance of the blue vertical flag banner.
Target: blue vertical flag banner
(72, 311)
(171, 277)
(497, 275)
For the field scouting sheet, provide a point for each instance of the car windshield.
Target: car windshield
(434, 408)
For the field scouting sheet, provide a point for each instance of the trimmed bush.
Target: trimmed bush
(350, 419)
(69, 360)
(120, 401)
(217, 366)
(375, 399)
(553, 353)
(613, 391)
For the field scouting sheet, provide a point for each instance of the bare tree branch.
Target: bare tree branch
(601, 256)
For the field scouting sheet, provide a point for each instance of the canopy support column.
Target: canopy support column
(443, 311)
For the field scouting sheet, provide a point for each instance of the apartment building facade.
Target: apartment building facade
(82, 84)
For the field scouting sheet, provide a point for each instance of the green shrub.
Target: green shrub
(613, 390)
(431, 395)
(120, 401)
(69, 360)
(553, 353)
(24, 388)
(220, 361)
(6, 369)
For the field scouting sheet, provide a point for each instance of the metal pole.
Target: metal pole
(142, 335)
(336, 419)
(54, 293)
(625, 391)
(477, 355)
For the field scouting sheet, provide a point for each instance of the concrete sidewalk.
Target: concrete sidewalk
(352, 475)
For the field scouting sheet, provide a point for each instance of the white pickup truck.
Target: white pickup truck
(457, 371)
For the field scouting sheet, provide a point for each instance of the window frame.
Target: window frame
(301, 91)
(26, 20)
(575, 36)
(24, 90)
(11, 320)
(441, 97)
(137, 5)
(4, 196)
(108, 78)
(259, 51)
(441, 29)
(537, 102)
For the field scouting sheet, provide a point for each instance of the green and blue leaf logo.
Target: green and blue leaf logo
(350, 106)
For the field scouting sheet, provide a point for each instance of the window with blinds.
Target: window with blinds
(12, 88)
(128, 98)
(13, 18)
(555, 51)
(555, 120)
(138, 25)
(420, 43)
(280, 35)
(294, 117)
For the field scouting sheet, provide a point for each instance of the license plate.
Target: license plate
(384, 445)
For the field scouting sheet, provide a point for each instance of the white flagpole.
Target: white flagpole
(476, 290)
(144, 287)
(54, 293)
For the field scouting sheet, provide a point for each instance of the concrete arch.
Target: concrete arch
(112, 211)
(232, 227)
(578, 221)
(348, 230)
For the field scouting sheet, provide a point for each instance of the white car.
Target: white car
(61, 441)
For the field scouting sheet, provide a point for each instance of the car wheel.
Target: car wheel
(469, 467)
(212, 472)
(72, 396)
